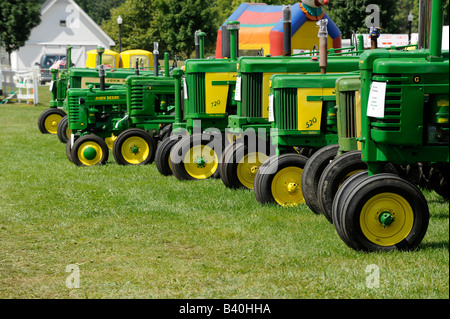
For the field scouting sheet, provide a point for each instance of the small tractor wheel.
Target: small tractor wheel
(196, 157)
(162, 157)
(279, 180)
(134, 147)
(89, 150)
(339, 169)
(384, 212)
(63, 130)
(312, 172)
(240, 165)
(49, 119)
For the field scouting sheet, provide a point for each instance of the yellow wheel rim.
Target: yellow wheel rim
(51, 123)
(286, 186)
(201, 162)
(110, 141)
(248, 166)
(393, 232)
(135, 150)
(90, 153)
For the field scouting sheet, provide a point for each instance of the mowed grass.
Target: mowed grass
(136, 234)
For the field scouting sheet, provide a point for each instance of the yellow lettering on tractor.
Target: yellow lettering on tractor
(85, 81)
(310, 111)
(217, 93)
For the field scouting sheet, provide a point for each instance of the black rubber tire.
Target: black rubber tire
(131, 133)
(68, 151)
(62, 129)
(43, 116)
(86, 138)
(163, 154)
(311, 175)
(269, 169)
(338, 214)
(333, 176)
(183, 146)
(371, 186)
(233, 156)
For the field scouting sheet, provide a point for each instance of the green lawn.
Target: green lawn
(136, 234)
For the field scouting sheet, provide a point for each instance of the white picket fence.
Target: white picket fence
(20, 86)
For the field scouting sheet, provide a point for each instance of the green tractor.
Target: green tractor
(54, 120)
(403, 120)
(194, 150)
(250, 126)
(125, 118)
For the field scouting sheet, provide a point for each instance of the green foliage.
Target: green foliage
(17, 19)
(99, 11)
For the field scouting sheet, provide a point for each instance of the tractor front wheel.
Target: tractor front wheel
(196, 157)
(63, 130)
(279, 180)
(49, 119)
(382, 213)
(89, 150)
(134, 147)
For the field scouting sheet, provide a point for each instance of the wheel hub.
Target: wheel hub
(134, 149)
(254, 170)
(200, 161)
(89, 153)
(292, 188)
(386, 218)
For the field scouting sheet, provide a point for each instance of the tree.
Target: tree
(177, 22)
(17, 19)
(351, 16)
(99, 11)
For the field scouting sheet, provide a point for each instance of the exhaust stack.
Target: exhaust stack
(323, 46)
(287, 36)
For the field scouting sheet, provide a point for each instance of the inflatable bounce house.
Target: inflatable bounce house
(261, 27)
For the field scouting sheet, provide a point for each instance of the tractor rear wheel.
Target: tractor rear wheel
(383, 212)
(89, 150)
(279, 180)
(49, 119)
(196, 157)
(134, 147)
(312, 172)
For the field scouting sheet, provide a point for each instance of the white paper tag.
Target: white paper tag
(377, 95)
(185, 89)
(51, 86)
(72, 138)
(271, 114)
(237, 92)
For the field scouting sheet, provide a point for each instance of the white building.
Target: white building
(63, 23)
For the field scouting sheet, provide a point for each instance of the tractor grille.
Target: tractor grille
(252, 99)
(137, 97)
(74, 106)
(196, 93)
(285, 109)
(349, 105)
(393, 105)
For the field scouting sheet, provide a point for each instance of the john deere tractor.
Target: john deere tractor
(403, 120)
(54, 120)
(207, 100)
(125, 118)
